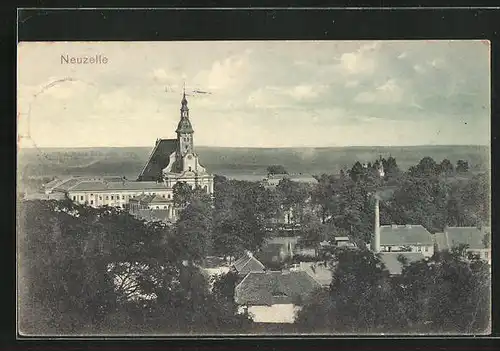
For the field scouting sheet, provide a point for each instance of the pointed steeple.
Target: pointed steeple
(184, 125)
(184, 102)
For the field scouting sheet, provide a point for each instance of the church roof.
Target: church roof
(184, 126)
(159, 159)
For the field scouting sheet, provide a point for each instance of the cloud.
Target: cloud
(418, 68)
(388, 93)
(277, 93)
(166, 76)
(305, 92)
(360, 61)
(225, 74)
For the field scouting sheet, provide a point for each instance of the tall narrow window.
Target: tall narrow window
(81, 197)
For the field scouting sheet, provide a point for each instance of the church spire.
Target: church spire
(184, 125)
(184, 102)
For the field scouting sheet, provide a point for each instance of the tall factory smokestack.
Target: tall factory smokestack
(376, 234)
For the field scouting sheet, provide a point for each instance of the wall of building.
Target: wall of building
(278, 313)
(426, 250)
(484, 254)
(114, 198)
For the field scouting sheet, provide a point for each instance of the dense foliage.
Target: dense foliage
(88, 270)
(444, 294)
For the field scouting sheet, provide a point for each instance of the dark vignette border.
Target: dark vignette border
(249, 24)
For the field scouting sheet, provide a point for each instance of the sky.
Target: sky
(262, 93)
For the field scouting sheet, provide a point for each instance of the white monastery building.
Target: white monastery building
(170, 162)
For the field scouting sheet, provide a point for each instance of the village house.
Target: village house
(274, 297)
(476, 239)
(406, 238)
(153, 206)
(400, 238)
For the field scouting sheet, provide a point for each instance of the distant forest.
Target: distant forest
(232, 162)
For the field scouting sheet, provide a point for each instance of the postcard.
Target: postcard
(253, 188)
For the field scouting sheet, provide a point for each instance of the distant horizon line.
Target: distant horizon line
(257, 147)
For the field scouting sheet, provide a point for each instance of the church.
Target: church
(170, 162)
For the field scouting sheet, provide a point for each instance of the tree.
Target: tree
(276, 169)
(67, 286)
(462, 166)
(358, 300)
(102, 270)
(312, 232)
(292, 195)
(194, 231)
(421, 200)
(446, 167)
(357, 171)
(242, 211)
(427, 167)
(442, 294)
(447, 294)
(324, 195)
(182, 193)
(391, 168)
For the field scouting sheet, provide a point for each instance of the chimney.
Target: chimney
(376, 236)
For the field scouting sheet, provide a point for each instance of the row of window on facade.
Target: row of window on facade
(405, 249)
(117, 197)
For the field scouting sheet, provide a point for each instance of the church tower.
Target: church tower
(185, 141)
(184, 129)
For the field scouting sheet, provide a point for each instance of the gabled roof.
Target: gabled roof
(159, 159)
(319, 271)
(246, 264)
(68, 184)
(408, 234)
(392, 264)
(268, 288)
(471, 236)
(160, 199)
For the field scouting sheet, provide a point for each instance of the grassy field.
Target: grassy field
(241, 163)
